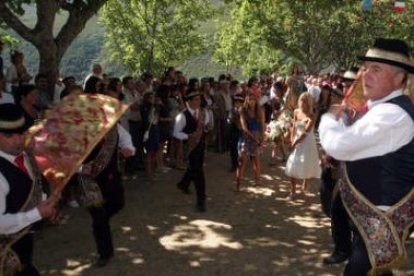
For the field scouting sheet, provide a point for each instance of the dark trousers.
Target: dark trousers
(114, 201)
(135, 131)
(24, 249)
(326, 190)
(222, 135)
(234, 154)
(334, 208)
(195, 173)
(358, 264)
(340, 227)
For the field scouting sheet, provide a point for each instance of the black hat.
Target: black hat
(68, 78)
(390, 51)
(338, 90)
(351, 73)
(12, 119)
(191, 95)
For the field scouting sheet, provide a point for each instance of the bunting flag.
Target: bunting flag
(399, 6)
(354, 97)
(69, 132)
(367, 5)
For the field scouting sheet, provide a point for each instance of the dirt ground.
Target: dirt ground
(254, 232)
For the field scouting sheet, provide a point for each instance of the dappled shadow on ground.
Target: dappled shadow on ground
(253, 232)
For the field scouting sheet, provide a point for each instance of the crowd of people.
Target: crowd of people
(172, 120)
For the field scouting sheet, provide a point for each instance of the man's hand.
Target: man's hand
(47, 208)
(191, 135)
(208, 127)
(86, 169)
(126, 152)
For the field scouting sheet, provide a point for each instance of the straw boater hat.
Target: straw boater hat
(351, 74)
(238, 97)
(390, 51)
(12, 119)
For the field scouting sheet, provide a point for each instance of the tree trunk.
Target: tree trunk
(49, 65)
(51, 49)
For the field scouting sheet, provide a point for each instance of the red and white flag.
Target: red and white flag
(399, 6)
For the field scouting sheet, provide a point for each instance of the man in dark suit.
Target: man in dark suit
(190, 126)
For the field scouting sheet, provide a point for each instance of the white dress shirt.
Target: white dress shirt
(180, 123)
(385, 128)
(6, 98)
(12, 223)
(125, 140)
(11, 77)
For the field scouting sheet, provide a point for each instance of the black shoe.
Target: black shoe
(183, 189)
(102, 261)
(336, 258)
(200, 208)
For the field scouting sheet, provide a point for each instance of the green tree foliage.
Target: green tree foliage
(51, 44)
(318, 34)
(244, 48)
(148, 35)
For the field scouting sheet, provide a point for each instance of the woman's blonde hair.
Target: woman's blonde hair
(246, 106)
(308, 109)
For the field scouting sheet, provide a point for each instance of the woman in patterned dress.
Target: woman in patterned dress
(253, 127)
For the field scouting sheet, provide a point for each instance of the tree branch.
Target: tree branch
(46, 11)
(76, 22)
(13, 22)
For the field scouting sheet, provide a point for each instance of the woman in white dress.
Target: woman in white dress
(303, 162)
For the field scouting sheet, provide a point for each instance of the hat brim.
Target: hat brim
(191, 95)
(407, 67)
(19, 130)
(238, 99)
(347, 79)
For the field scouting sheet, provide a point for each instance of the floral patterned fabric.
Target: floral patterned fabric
(69, 132)
(277, 129)
(384, 233)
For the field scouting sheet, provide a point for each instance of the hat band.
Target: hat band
(378, 53)
(8, 125)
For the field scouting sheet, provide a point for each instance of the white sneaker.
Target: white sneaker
(73, 204)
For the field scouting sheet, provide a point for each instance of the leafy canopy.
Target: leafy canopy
(148, 35)
(320, 35)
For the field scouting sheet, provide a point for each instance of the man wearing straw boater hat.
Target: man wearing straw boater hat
(190, 126)
(378, 150)
(21, 202)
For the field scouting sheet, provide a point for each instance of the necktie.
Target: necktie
(196, 116)
(19, 160)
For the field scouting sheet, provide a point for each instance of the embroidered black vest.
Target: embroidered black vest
(191, 123)
(20, 186)
(384, 180)
(110, 173)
